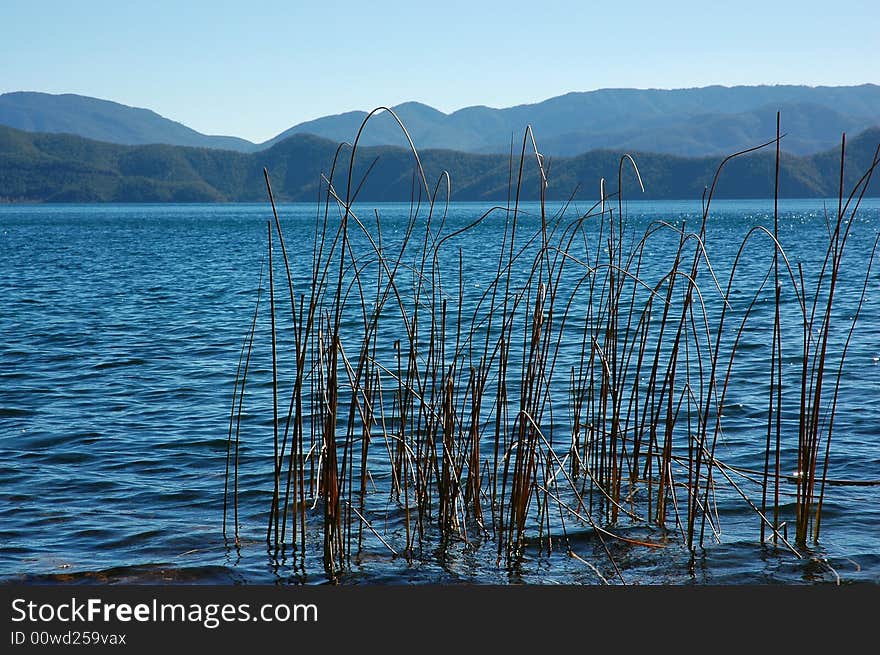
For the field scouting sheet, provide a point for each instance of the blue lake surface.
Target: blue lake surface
(121, 328)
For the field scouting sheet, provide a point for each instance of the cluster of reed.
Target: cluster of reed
(567, 386)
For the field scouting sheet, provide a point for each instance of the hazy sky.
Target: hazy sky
(253, 69)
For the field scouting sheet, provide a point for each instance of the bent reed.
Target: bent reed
(415, 405)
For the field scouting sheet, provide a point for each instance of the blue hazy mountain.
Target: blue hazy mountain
(103, 120)
(687, 122)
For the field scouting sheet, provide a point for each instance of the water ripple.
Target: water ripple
(122, 329)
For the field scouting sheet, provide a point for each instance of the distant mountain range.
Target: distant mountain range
(103, 120)
(39, 167)
(694, 122)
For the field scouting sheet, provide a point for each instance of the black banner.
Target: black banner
(455, 619)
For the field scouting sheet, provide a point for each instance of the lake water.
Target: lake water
(121, 329)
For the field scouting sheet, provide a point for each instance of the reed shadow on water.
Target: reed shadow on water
(567, 397)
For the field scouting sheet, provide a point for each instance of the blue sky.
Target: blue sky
(255, 69)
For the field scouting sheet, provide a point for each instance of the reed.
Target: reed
(428, 407)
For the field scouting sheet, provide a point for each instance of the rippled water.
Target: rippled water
(121, 330)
